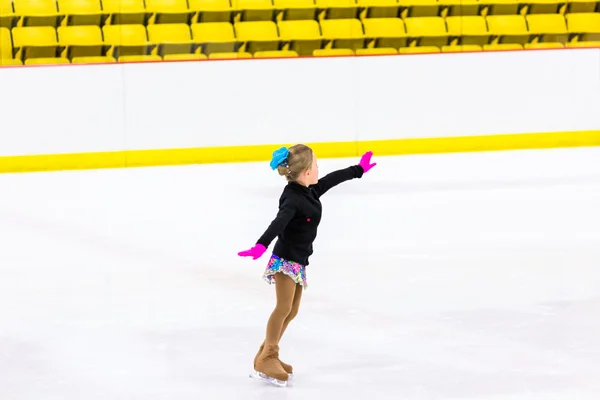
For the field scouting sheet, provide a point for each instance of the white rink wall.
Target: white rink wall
(54, 110)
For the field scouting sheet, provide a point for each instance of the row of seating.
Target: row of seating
(290, 53)
(302, 36)
(100, 12)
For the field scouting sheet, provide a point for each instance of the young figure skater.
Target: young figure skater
(295, 226)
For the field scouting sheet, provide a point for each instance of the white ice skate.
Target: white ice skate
(271, 380)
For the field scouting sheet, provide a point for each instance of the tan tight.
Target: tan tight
(289, 294)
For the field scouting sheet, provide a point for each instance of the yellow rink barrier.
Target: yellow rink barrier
(247, 153)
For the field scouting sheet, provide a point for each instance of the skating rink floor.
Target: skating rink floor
(465, 276)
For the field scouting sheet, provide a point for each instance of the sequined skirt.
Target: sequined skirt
(292, 269)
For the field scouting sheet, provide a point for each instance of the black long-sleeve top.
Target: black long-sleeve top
(299, 215)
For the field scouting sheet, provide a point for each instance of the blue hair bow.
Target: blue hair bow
(279, 158)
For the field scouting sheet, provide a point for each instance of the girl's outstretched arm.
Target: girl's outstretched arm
(342, 175)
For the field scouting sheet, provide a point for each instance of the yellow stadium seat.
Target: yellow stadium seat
(253, 10)
(82, 41)
(275, 54)
(81, 12)
(126, 40)
(333, 52)
(215, 37)
(143, 58)
(10, 62)
(386, 32)
(456, 8)
(121, 12)
(502, 47)
(575, 45)
(35, 42)
(6, 48)
(47, 61)
(376, 51)
(583, 6)
(509, 28)
(549, 27)
(257, 35)
(429, 31)
(461, 48)
(168, 11)
(379, 8)
(295, 9)
(470, 29)
(337, 9)
(229, 56)
(544, 7)
(7, 14)
(343, 33)
(184, 57)
(211, 10)
(501, 7)
(171, 38)
(419, 8)
(303, 36)
(37, 12)
(585, 25)
(419, 50)
(93, 60)
(548, 45)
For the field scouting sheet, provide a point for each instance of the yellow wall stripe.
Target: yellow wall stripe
(141, 158)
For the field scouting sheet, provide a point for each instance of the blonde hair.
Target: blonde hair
(300, 158)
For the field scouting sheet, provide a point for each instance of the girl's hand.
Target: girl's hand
(255, 252)
(365, 161)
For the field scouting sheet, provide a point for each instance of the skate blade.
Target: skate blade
(265, 378)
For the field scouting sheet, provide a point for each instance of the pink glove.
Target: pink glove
(256, 252)
(365, 161)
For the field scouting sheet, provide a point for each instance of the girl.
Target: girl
(295, 226)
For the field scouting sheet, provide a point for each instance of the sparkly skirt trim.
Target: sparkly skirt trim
(292, 269)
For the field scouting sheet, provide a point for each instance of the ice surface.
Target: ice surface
(466, 276)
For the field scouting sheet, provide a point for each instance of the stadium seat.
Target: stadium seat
(509, 28)
(35, 42)
(583, 44)
(126, 40)
(455, 8)
(548, 45)
(304, 36)
(419, 50)
(379, 8)
(502, 47)
(82, 41)
(585, 25)
(168, 12)
(295, 9)
(429, 31)
(229, 56)
(81, 12)
(333, 52)
(461, 48)
(47, 61)
(545, 7)
(121, 12)
(500, 7)
(12, 62)
(6, 49)
(184, 57)
(337, 9)
(583, 6)
(171, 38)
(257, 35)
(376, 51)
(343, 33)
(470, 29)
(275, 54)
(386, 32)
(37, 12)
(7, 14)
(211, 10)
(419, 8)
(253, 10)
(93, 60)
(549, 27)
(142, 58)
(215, 37)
